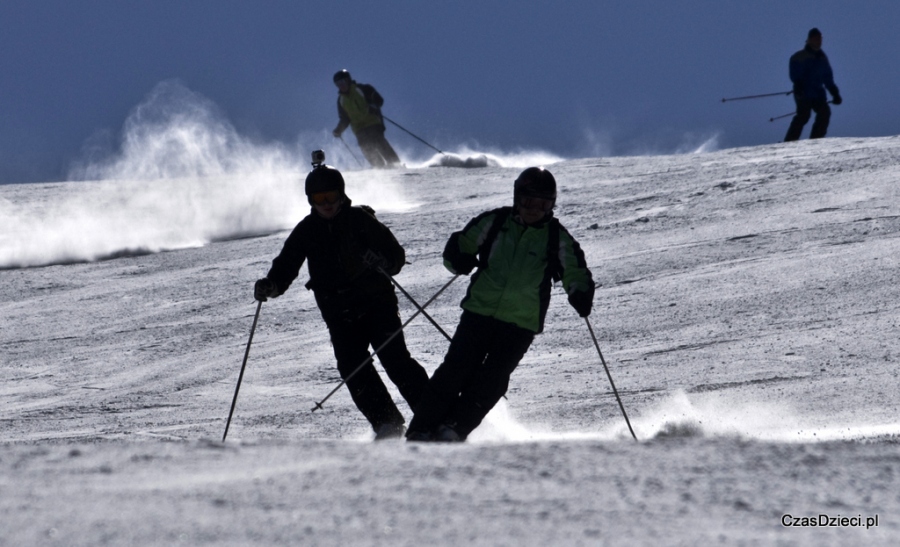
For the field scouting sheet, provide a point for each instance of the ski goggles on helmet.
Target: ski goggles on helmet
(325, 198)
(536, 204)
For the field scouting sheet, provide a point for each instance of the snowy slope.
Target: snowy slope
(747, 308)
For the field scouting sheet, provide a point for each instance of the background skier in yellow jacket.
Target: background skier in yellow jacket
(359, 107)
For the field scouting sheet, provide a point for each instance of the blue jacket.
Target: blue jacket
(811, 74)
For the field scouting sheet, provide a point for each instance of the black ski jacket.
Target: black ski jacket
(335, 249)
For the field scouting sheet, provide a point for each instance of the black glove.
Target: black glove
(582, 302)
(264, 289)
(374, 260)
(836, 100)
(463, 264)
(798, 91)
(336, 134)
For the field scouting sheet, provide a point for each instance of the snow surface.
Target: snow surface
(747, 308)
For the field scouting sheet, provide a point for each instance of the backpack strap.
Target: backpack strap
(554, 267)
(358, 229)
(485, 248)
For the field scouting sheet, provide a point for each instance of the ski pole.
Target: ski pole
(414, 303)
(243, 366)
(408, 131)
(782, 116)
(756, 96)
(382, 346)
(602, 360)
(786, 115)
(421, 309)
(347, 146)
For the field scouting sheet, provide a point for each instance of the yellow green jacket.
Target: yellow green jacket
(359, 108)
(516, 269)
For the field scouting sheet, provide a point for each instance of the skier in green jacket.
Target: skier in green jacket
(518, 251)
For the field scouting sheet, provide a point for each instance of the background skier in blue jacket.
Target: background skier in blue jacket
(811, 75)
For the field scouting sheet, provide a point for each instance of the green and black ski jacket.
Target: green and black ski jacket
(516, 266)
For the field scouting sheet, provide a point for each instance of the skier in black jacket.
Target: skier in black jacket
(359, 106)
(345, 247)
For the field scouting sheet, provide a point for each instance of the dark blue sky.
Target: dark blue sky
(575, 78)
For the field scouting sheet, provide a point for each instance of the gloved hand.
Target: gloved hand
(264, 289)
(374, 109)
(336, 134)
(582, 302)
(463, 264)
(375, 260)
(798, 91)
(836, 100)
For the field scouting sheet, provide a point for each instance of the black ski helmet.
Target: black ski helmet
(535, 182)
(324, 178)
(341, 75)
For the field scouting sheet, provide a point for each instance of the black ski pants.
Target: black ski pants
(805, 108)
(474, 375)
(377, 150)
(351, 336)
